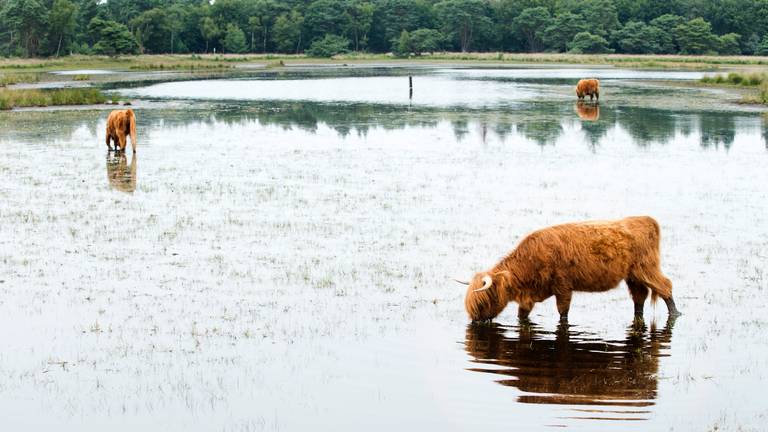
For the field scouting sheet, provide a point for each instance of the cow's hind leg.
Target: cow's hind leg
(659, 285)
(639, 293)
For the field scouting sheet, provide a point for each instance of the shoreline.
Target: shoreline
(152, 62)
(106, 77)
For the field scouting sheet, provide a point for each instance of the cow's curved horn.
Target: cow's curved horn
(460, 281)
(487, 282)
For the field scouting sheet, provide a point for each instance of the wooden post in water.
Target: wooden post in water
(410, 87)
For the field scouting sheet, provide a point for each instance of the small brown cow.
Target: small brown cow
(587, 256)
(119, 124)
(588, 87)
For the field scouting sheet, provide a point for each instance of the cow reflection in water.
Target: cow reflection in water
(587, 111)
(120, 174)
(571, 367)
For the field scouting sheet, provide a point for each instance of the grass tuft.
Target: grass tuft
(180, 66)
(10, 99)
(17, 78)
(762, 93)
(736, 78)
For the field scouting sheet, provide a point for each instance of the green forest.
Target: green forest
(322, 28)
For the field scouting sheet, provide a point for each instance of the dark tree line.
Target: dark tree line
(326, 27)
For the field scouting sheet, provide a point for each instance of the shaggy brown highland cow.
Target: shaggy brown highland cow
(588, 256)
(119, 124)
(588, 87)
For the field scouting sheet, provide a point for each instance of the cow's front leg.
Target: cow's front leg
(121, 140)
(523, 310)
(563, 304)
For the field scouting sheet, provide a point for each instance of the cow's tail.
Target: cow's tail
(132, 119)
(648, 269)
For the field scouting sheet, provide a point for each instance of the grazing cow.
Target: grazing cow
(588, 87)
(119, 124)
(587, 256)
(587, 111)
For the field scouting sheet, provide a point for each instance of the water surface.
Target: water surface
(284, 262)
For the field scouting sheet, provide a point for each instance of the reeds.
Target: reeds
(736, 78)
(10, 99)
(7, 79)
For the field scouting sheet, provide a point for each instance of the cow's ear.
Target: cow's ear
(502, 278)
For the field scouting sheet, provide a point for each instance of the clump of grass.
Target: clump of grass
(736, 78)
(17, 78)
(275, 64)
(81, 77)
(180, 66)
(762, 93)
(40, 98)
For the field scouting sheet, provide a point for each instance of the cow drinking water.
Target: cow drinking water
(586, 256)
(588, 87)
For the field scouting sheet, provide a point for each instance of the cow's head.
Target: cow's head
(486, 296)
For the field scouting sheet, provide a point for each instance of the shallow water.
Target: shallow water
(84, 72)
(284, 264)
(463, 88)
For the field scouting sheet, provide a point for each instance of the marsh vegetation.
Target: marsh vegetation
(49, 97)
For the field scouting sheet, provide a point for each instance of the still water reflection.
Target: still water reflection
(616, 378)
(120, 174)
(543, 123)
(588, 111)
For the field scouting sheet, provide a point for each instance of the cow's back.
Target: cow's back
(587, 256)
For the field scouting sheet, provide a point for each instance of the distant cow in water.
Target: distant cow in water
(588, 87)
(587, 256)
(587, 111)
(119, 124)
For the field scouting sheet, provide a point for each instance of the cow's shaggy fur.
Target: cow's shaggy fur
(587, 256)
(119, 124)
(588, 87)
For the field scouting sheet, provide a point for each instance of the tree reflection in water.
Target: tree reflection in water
(543, 123)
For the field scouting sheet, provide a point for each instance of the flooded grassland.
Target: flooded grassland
(278, 255)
